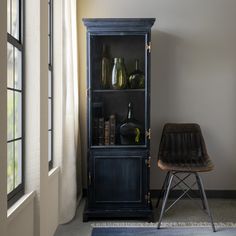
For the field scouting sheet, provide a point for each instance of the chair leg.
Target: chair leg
(206, 202)
(163, 189)
(200, 191)
(165, 199)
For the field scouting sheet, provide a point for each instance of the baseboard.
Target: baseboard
(225, 194)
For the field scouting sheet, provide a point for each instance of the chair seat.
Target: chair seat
(202, 166)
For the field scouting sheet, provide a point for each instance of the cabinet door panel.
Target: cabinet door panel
(118, 179)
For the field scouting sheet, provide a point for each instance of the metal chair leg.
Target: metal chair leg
(163, 189)
(206, 202)
(200, 191)
(165, 200)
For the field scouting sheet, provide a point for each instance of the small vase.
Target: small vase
(105, 78)
(119, 77)
(137, 78)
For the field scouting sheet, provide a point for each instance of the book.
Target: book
(107, 133)
(112, 129)
(101, 131)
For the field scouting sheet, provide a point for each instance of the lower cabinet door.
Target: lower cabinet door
(118, 179)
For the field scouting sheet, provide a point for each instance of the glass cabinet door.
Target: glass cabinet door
(118, 90)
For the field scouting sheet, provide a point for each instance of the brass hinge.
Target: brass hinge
(148, 197)
(148, 47)
(89, 178)
(148, 162)
(148, 133)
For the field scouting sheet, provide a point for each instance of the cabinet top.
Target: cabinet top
(118, 24)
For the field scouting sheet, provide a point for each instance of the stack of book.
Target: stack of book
(104, 131)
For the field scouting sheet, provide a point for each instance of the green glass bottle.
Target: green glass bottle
(131, 132)
(119, 77)
(137, 78)
(106, 75)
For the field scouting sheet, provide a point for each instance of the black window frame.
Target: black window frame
(19, 191)
(50, 68)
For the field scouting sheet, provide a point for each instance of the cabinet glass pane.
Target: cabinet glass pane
(10, 68)
(18, 163)
(18, 115)
(106, 104)
(10, 167)
(10, 115)
(128, 47)
(15, 19)
(18, 69)
(114, 102)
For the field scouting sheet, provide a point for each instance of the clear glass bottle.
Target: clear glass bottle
(130, 131)
(137, 78)
(119, 77)
(106, 75)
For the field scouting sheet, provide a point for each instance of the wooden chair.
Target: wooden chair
(183, 152)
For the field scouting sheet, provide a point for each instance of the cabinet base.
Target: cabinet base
(144, 213)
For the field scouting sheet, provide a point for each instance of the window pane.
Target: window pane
(10, 114)
(9, 16)
(49, 19)
(10, 167)
(49, 49)
(9, 65)
(49, 145)
(18, 163)
(49, 114)
(49, 83)
(18, 114)
(15, 18)
(18, 69)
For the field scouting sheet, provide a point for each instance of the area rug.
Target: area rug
(171, 229)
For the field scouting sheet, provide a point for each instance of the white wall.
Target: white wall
(20, 217)
(193, 74)
(23, 224)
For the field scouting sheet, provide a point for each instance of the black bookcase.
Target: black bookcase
(118, 175)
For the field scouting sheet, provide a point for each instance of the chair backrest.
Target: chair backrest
(181, 143)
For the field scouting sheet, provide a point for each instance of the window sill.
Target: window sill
(53, 171)
(17, 207)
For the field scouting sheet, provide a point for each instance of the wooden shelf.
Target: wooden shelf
(117, 90)
(118, 146)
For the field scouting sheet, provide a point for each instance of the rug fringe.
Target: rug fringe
(164, 224)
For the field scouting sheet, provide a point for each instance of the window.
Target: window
(50, 83)
(15, 93)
